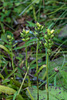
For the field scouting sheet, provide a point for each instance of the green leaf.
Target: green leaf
(1, 76)
(63, 32)
(5, 81)
(36, 1)
(8, 20)
(3, 37)
(29, 43)
(3, 47)
(9, 33)
(9, 91)
(31, 24)
(64, 75)
(55, 93)
(15, 94)
(59, 62)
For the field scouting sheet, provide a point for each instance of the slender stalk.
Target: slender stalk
(29, 83)
(47, 57)
(0, 58)
(23, 82)
(34, 12)
(48, 78)
(12, 60)
(26, 54)
(37, 70)
(48, 44)
(30, 94)
(40, 3)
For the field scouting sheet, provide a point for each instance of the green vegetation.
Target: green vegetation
(33, 50)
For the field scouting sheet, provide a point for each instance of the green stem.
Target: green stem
(47, 61)
(37, 70)
(30, 94)
(26, 54)
(23, 81)
(12, 60)
(48, 79)
(29, 83)
(34, 12)
(40, 4)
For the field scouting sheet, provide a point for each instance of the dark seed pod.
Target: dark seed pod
(56, 70)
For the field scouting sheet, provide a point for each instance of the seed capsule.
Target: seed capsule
(24, 31)
(27, 31)
(37, 24)
(9, 36)
(45, 44)
(52, 31)
(52, 36)
(49, 51)
(46, 37)
(49, 41)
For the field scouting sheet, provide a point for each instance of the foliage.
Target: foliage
(22, 67)
(9, 91)
(55, 93)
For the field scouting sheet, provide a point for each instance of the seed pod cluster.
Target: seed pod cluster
(10, 39)
(39, 27)
(38, 30)
(48, 40)
(25, 35)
